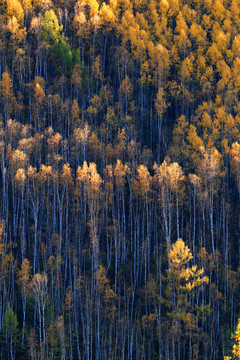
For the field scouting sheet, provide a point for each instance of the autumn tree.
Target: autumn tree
(236, 346)
(7, 94)
(184, 284)
(169, 180)
(39, 289)
(89, 182)
(24, 284)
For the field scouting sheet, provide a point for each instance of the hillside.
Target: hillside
(119, 179)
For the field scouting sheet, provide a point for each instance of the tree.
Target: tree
(126, 89)
(210, 172)
(236, 346)
(90, 183)
(7, 94)
(39, 289)
(7, 264)
(160, 106)
(184, 283)
(81, 136)
(144, 187)
(105, 293)
(33, 189)
(10, 334)
(14, 8)
(64, 57)
(24, 284)
(51, 29)
(169, 182)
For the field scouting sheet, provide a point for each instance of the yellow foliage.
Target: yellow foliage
(88, 177)
(7, 261)
(31, 172)
(46, 171)
(95, 105)
(81, 134)
(79, 21)
(235, 162)
(14, 8)
(77, 77)
(126, 87)
(218, 9)
(36, 26)
(148, 321)
(185, 277)
(94, 143)
(24, 276)
(187, 69)
(75, 111)
(236, 46)
(214, 54)
(103, 287)
(93, 7)
(209, 167)
(102, 281)
(43, 5)
(197, 34)
(169, 176)
(39, 93)
(160, 102)
(96, 68)
(54, 141)
(26, 145)
(236, 71)
(6, 88)
(39, 287)
(108, 173)
(160, 62)
(68, 300)
(13, 25)
(27, 4)
(236, 346)
(164, 5)
(194, 180)
(18, 159)
(144, 179)
(107, 15)
(66, 175)
(20, 177)
(120, 172)
(179, 255)
(195, 142)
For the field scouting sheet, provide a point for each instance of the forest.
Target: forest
(119, 179)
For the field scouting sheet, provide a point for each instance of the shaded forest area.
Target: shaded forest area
(119, 136)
